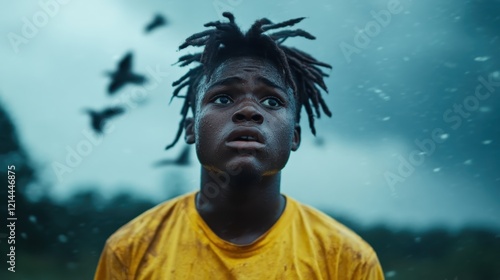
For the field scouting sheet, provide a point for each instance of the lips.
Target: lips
(245, 139)
(245, 134)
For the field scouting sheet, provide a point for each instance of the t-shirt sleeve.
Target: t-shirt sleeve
(110, 266)
(373, 269)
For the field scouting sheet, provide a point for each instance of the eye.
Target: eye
(272, 102)
(222, 99)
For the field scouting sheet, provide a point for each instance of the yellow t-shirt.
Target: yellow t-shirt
(171, 241)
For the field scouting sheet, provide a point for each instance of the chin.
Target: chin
(245, 170)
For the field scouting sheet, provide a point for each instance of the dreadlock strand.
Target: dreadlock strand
(316, 77)
(256, 29)
(312, 72)
(283, 61)
(178, 89)
(300, 55)
(285, 34)
(188, 60)
(324, 106)
(313, 97)
(312, 59)
(229, 16)
(310, 116)
(200, 34)
(181, 124)
(212, 23)
(186, 76)
(290, 22)
(198, 42)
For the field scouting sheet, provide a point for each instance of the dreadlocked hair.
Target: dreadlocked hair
(301, 71)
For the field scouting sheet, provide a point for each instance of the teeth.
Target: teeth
(247, 138)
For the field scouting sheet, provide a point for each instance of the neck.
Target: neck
(233, 206)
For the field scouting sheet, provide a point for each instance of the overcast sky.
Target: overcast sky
(400, 69)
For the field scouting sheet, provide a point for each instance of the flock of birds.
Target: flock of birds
(120, 77)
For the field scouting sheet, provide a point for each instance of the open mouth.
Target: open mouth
(246, 138)
(246, 134)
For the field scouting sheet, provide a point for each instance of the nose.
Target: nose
(248, 113)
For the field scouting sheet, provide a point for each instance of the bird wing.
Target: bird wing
(183, 159)
(137, 79)
(163, 162)
(157, 21)
(126, 63)
(112, 111)
(97, 124)
(95, 120)
(115, 85)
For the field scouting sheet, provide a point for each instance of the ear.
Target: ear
(189, 128)
(296, 137)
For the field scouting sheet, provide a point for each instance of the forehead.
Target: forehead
(247, 68)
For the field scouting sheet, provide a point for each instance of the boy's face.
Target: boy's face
(245, 119)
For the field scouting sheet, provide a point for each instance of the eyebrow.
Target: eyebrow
(237, 80)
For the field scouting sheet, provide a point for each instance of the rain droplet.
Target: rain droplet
(444, 136)
(481, 58)
(495, 75)
(390, 273)
(62, 238)
(381, 94)
(32, 219)
(468, 162)
(487, 142)
(437, 169)
(484, 109)
(386, 118)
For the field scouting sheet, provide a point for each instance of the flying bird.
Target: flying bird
(98, 118)
(124, 75)
(181, 160)
(157, 21)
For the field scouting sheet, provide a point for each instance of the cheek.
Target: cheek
(284, 135)
(206, 130)
(288, 127)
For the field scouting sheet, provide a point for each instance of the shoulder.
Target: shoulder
(143, 227)
(336, 238)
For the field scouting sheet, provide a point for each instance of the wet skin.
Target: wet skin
(244, 130)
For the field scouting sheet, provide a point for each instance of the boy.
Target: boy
(246, 98)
